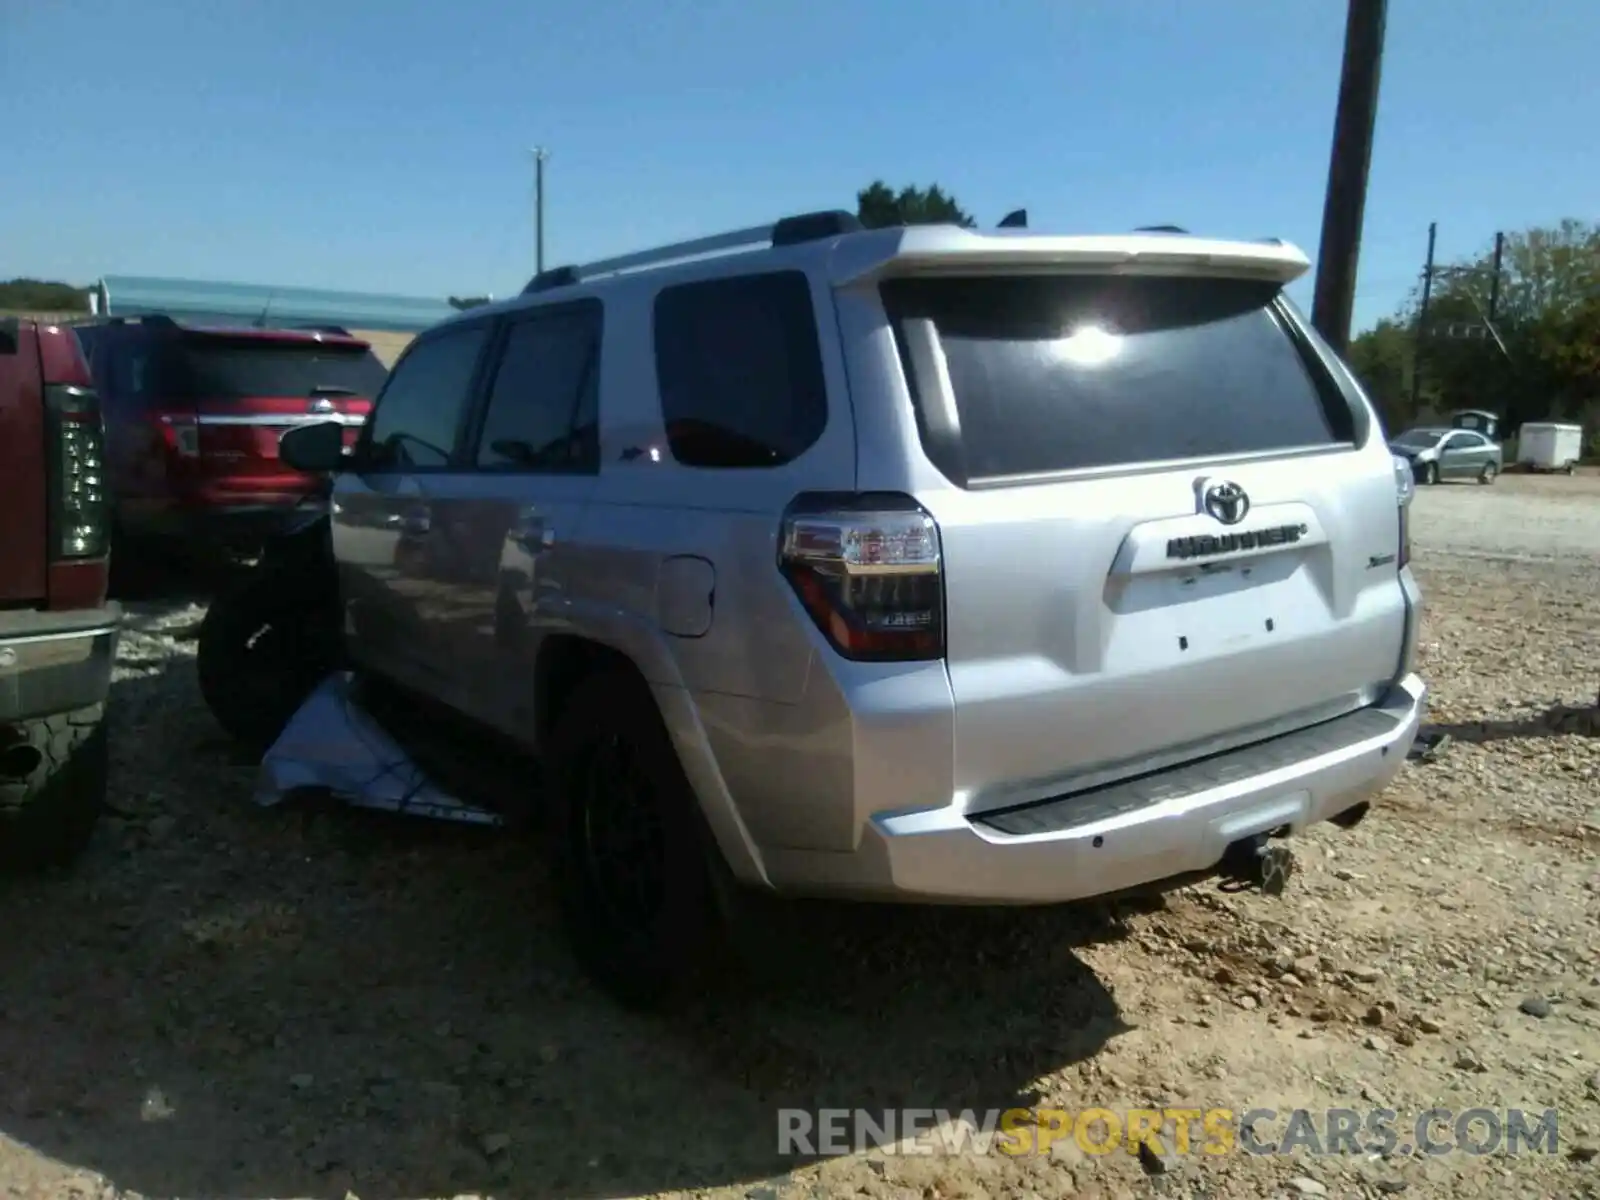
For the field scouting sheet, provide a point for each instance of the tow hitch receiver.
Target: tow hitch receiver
(1254, 862)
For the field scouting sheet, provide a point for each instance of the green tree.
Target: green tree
(1541, 357)
(1381, 360)
(38, 295)
(879, 206)
(1538, 359)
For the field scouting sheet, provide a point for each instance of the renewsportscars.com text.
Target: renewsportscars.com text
(1184, 1131)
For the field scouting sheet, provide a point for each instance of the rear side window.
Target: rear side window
(740, 370)
(221, 368)
(544, 402)
(414, 423)
(1060, 373)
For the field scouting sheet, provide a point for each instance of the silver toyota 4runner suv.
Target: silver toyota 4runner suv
(919, 564)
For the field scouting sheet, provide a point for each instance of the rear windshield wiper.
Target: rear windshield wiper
(332, 390)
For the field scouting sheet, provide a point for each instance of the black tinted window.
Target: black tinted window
(1056, 373)
(740, 370)
(414, 423)
(232, 368)
(544, 402)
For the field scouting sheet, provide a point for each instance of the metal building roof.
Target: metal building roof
(248, 304)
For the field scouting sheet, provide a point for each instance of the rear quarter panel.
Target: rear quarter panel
(649, 509)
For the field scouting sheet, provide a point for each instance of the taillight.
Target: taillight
(867, 570)
(1405, 482)
(79, 515)
(180, 433)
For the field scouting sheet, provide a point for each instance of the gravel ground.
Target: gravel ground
(231, 1002)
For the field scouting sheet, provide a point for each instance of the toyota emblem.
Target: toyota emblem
(1227, 502)
(321, 405)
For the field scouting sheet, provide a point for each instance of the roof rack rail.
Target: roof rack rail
(788, 231)
(1160, 229)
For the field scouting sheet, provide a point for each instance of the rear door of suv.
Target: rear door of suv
(507, 528)
(1159, 538)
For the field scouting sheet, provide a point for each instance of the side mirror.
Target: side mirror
(315, 449)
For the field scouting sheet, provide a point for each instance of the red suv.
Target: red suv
(58, 632)
(193, 415)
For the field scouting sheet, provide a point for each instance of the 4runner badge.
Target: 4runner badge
(1202, 545)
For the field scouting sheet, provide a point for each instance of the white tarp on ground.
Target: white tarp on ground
(332, 745)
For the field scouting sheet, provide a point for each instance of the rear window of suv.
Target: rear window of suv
(234, 367)
(1067, 372)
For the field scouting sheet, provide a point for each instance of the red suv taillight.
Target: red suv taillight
(867, 570)
(75, 446)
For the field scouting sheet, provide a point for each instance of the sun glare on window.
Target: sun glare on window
(1088, 346)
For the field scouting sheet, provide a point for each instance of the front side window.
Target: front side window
(414, 424)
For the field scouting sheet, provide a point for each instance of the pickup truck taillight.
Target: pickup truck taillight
(79, 520)
(867, 571)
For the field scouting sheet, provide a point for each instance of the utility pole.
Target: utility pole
(1422, 317)
(1494, 283)
(1344, 205)
(539, 156)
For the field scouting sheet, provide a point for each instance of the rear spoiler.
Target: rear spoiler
(949, 250)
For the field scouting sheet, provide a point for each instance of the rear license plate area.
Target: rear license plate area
(1218, 608)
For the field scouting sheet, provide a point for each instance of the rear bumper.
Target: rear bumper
(1126, 836)
(55, 662)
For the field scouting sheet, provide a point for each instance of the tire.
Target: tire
(49, 811)
(264, 644)
(1430, 473)
(650, 958)
(1487, 475)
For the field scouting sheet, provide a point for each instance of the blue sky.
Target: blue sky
(385, 146)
